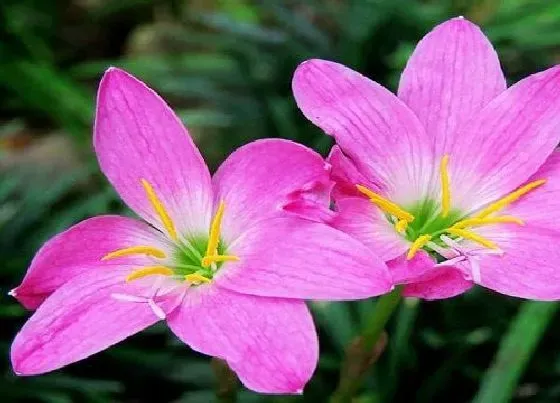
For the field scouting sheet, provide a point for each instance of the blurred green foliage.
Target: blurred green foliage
(226, 67)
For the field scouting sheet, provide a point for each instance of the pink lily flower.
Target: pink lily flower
(455, 180)
(226, 261)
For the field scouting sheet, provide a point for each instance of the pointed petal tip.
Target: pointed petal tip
(308, 65)
(13, 292)
(459, 21)
(17, 362)
(116, 77)
(113, 70)
(18, 370)
(310, 62)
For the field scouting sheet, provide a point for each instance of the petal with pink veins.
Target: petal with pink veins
(439, 283)
(137, 136)
(292, 258)
(80, 248)
(346, 176)
(405, 271)
(266, 177)
(541, 207)
(379, 133)
(453, 73)
(270, 343)
(79, 319)
(528, 267)
(506, 142)
(364, 221)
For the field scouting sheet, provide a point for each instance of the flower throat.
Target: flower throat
(428, 223)
(194, 260)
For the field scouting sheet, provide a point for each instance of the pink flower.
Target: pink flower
(456, 180)
(225, 261)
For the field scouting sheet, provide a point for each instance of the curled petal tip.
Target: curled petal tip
(13, 293)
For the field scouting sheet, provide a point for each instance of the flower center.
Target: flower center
(194, 260)
(435, 227)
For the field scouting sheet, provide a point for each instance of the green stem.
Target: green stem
(365, 350)
(381, 314)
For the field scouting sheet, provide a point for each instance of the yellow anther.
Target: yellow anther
(386, 205)
(463, 233)
(214, 237)
(135, 250)
(478, 222)
(418, 244)
(510, 198)
(196, 278)
(149, 271)
(401, 225)
(211, 255)
(208, 260)
(445, 188)
(160, 209)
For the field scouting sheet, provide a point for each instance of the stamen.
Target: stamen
(149, 271)
(207, 260)
(156, 309)
(452, 243)
(386, 205)
(475, 269)
(135, 250)
(510, 198)
(214, 237)
(418, 244)
(440, 249)
(127, 298)
(401, 225)
(196, 278)
(445, 188)
(211, 255)
(160, 209)
(463, 233)
(477, 222)
(452, 261)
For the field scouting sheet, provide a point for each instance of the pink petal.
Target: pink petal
(293, 258)
(269, 342)
(379, 133)
(453, 73)
(137, 136)
(345, 175)
(365, 222)
(507, 142)
(441, 282)
(80, 248)
(529, 266)
(262, 179)
(80, 319)
(541, 207)
(404, 271)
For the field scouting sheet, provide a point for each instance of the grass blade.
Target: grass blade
(516, 348)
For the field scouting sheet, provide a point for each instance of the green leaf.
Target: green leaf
(516, 348)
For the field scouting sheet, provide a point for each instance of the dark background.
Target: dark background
(226, 66)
